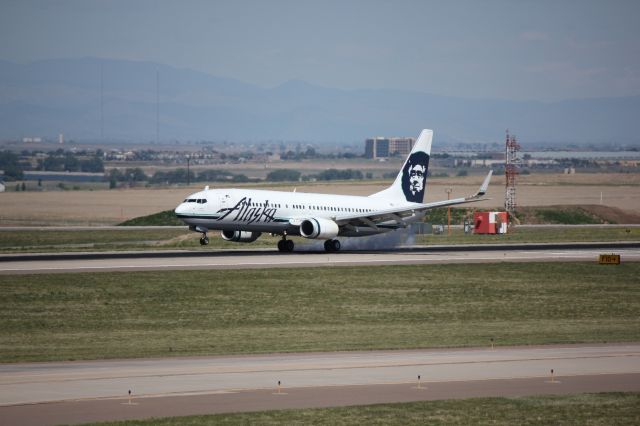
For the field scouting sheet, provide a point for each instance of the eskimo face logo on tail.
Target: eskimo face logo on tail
(414, 176)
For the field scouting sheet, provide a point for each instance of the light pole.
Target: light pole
(448, 191)
(188, 173)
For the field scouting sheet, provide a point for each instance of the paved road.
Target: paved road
(80, 391)
(230, 259)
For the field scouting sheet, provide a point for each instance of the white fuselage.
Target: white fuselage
(277, 212)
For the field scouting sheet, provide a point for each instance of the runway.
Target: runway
(270, 258)
(47, 393)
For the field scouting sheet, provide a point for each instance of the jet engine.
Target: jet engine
(318, 228)
(240, 236)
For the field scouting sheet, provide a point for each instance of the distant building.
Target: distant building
(31, 140)
(381, 147)
(401, 146)
(2, 187)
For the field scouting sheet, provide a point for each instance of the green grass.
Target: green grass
(536, 235)
(55, 240)
(585, 409)
(43, 240)
(152, 314)
(164, 218)
(135, 239)
(571, 217)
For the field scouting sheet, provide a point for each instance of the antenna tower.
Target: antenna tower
(511, 161)
(101, 102)
(157, 106)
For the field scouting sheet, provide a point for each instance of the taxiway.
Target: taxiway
(47, 393)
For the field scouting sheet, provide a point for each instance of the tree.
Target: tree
(334, 174)
(53, 164)
(282, 175)
(240, 178)
(136, 174)
(9, 162)
(71, 163)
(92, 165)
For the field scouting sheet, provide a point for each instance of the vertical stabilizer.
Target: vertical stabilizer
(410, 184)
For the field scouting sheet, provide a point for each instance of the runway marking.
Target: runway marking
(214, 370)
(493, 259)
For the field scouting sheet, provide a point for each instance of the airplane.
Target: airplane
(242, 215)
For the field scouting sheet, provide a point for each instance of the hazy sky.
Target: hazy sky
(545, 50)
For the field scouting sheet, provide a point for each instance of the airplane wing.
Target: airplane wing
(394, 218)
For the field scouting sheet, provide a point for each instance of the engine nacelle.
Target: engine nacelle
(240, 236)
(319, 228)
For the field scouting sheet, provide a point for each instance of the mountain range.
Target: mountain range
(99, 99)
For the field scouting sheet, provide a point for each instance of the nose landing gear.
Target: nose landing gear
(204, 240)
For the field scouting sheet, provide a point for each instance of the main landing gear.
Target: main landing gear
(204, 240)
(285, 245)
(331, 245)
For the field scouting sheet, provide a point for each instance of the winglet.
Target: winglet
(484, 186)
(485, 183)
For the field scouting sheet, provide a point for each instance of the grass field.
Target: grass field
(153, 314)
(586, 409)
(536, 235)
(43, 240)
(171, 238)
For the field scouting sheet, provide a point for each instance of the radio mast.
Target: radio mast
(511, 162)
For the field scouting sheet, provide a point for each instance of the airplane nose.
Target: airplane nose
(181, 209)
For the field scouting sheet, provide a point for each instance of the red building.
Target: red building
(490, 222)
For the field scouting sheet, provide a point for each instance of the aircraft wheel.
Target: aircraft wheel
(281, 245)
(288, 246)
(204, 240)
(335, 244)
(328, 247)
